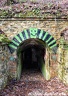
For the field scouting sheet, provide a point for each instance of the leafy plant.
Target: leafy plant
(4, 39)
(36, 11)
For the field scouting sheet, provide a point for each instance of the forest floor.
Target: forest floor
(32, 83)
(41, 8)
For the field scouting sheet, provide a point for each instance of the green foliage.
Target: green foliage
(6, 13)
(4, 39)
(64, 43)
(3, 13)
(33, 13)
(33, 1)
(50, 5)
(36, 11)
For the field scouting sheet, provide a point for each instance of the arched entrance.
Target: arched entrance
(31, 55)
(32, 40)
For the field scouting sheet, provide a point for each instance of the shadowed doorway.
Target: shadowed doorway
(30, 58)
(31, 55)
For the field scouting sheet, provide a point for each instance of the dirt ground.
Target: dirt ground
(32, 83)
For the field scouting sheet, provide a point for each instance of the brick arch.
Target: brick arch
(33, 33)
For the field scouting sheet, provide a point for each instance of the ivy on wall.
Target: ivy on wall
(4, 39)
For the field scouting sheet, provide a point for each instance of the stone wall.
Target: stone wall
(8, 61)
(11, 28)
(4, 68)
(7, 65)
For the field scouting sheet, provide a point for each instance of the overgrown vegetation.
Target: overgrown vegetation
(33, 9)
(4, 39)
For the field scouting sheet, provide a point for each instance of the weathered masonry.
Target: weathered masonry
(33, 38)
(46, 43)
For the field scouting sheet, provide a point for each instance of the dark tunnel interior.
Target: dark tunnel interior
(31, 56)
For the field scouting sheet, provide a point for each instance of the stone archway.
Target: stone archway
(33, 37)
(34, 51)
